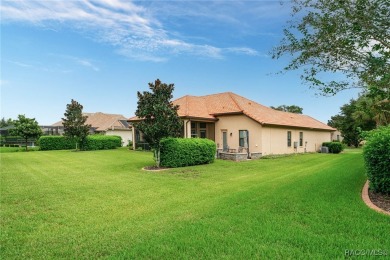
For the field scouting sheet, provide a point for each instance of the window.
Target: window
(300, 138)
(193, 133)
(139, 136)
(202, 133)
(243, 138)
(289, 138)
(202, 125)
(194, 130)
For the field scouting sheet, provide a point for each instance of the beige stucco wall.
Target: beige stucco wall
(336, 134)
(232, 124)
(265, 139)
(126, 135)
(274, 140)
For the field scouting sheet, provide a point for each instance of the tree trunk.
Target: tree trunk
(26, 144)
(157, 156)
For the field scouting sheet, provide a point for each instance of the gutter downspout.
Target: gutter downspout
(247, 136)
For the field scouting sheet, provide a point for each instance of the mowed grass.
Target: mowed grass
(18, 149)
(100, 204)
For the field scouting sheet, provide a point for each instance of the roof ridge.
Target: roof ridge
(110, 125)
(186, 112)
(318, 121)
(109, 114)
(212, 94)
(234, 100)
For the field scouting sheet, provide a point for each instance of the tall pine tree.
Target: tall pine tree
(74, 123)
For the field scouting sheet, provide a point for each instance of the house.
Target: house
(108, 124)
(239, 125)
(53, 129)
(337, 136)
(4, 131)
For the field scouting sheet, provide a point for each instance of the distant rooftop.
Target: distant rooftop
(103, 122)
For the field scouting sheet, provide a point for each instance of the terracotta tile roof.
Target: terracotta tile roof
(195, 107)
(269, 116)
(212, 106)
(103, 122)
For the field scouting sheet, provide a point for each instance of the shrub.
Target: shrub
(56, 143)
(334, 147)
(92, 142)
(102, 142)
(376, 154)
(179, 152)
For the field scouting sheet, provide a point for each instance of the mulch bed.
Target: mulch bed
(155, 168)
(380, 200)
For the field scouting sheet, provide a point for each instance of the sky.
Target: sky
(101, 53)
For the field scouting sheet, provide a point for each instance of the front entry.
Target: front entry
(224, 141)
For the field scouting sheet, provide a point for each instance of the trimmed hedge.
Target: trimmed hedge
(102, 142)
(92, 142)
(55, 142)
(376, 154)
(334, 147)
(179, 152)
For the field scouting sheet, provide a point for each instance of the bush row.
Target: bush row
(56, 142)
(102, 142)
(376, 154)
(92, 142)
(334, 147)
(179, 152)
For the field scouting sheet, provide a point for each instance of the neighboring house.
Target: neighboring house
(4, 131)
(238, 124)
(108, 124)
(46, 130)
(336, 136)
(52, 129)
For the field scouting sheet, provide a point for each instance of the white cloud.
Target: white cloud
(132, 29)
(20, 64)
(243, 50)
(82, 61)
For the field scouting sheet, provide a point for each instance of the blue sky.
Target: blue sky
(101, 53)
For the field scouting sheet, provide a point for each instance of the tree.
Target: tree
(349, 37)
(159, 115)
(5, 123)
(372, 107)
(74, 123)
(292, 109)
(349, 125)
(26, 128)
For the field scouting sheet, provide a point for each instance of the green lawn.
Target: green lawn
(100, 204)
(17, 149)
